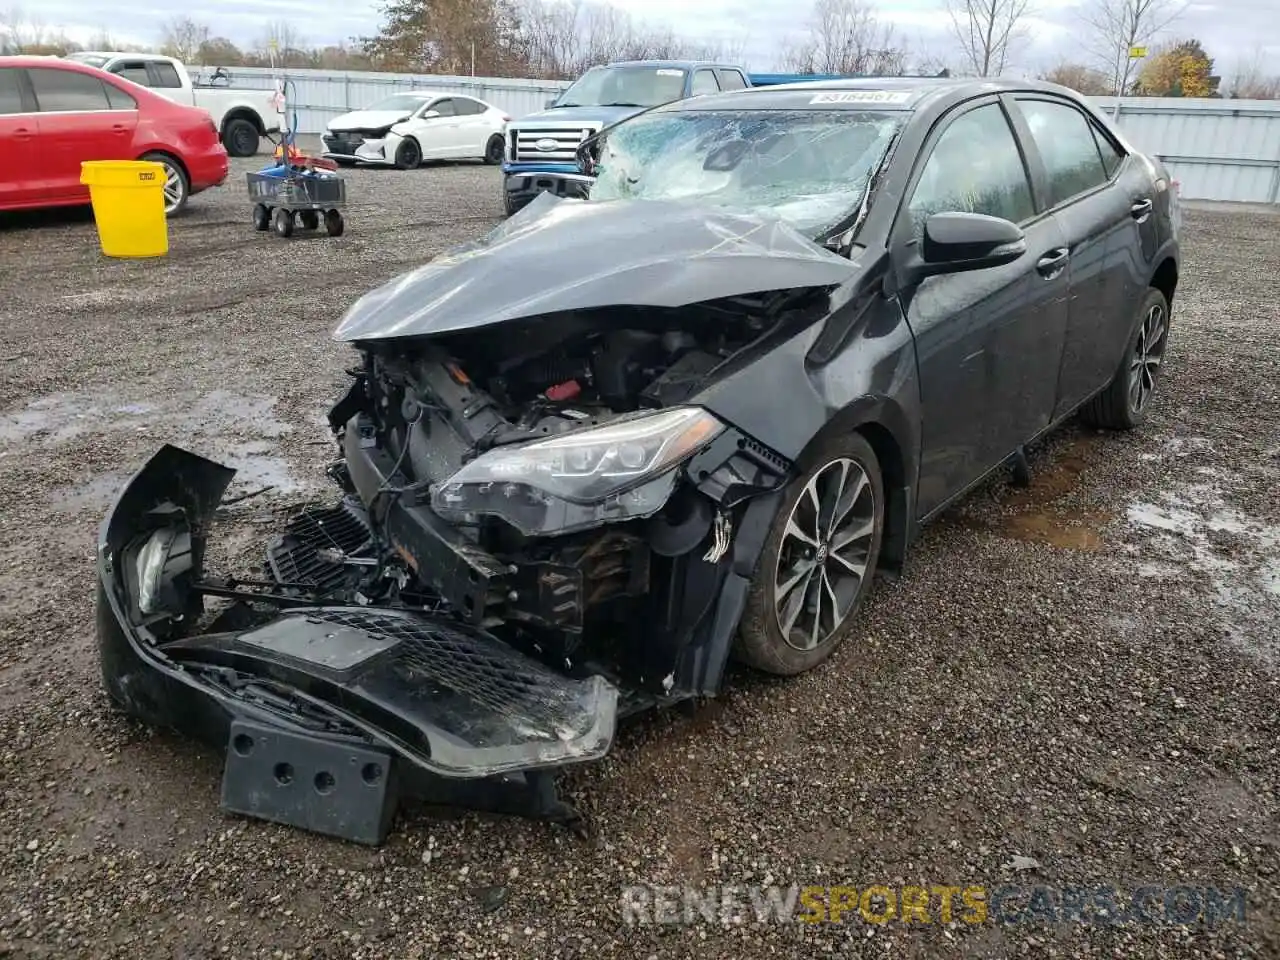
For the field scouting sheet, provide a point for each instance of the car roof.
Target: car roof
(45, 60)
(862, 93)
(670, 64)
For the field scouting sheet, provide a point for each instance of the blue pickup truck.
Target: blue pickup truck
(541, 149)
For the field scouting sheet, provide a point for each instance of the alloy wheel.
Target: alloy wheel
(174, 188)
(824, 554)
(1148, 355)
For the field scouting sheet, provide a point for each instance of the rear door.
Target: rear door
(19, 181)
(704, 81)
(988, 342)
(77, 123)
(1103, 201)
(473, 126)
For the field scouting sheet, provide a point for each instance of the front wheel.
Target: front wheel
(283, 222)
(818, 561)
(261, 217)
(408, 155)
(1122, 405)
(333, 223)
(494, 149)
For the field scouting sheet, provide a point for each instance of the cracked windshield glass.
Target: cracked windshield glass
(809, 168)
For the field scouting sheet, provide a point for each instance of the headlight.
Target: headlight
(619, 471)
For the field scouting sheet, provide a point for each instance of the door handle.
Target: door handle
(1052, 263)
(1140, 209)
(22, 133)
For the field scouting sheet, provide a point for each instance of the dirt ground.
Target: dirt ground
(1074, 684)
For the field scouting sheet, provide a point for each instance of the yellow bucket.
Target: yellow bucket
(128, 206)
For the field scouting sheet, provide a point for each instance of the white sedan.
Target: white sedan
(408, 128)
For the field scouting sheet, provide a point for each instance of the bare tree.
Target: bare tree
(182, 38)
(846, 36)
(281, 39)
(1251, 81)
(1119, 25)
(1080, 78)
(987, 30)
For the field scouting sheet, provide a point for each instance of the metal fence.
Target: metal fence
(321, 95)
(1216, 149)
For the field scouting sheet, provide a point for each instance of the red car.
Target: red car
(54, 114)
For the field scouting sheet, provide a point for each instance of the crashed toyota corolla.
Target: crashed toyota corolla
(585, 460)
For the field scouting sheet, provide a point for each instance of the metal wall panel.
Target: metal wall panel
(1216, 149)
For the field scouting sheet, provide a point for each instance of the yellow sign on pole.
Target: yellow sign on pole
(1137, 53)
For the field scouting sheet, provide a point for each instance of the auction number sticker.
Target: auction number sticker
(863, 96)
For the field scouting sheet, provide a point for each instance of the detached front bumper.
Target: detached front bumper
(356, 148)
(329, 712)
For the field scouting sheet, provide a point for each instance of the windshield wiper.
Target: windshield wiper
(622, 104)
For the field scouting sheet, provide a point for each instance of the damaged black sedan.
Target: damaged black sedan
(587, 459)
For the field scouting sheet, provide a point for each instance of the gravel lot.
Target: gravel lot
(1085, 673)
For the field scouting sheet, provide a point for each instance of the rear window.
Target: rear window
(166, 75)
(134, 70)
(119, 99)
(65, 91)
(10, 92)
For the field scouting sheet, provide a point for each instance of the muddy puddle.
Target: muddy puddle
(1191, 534)
(214, 424)
(1034, 513)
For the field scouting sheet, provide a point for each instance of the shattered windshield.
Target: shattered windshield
(810, 168)
(625, 87)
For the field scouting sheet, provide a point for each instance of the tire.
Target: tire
(283, 222)
(494, 149)
(308, 219)
(177, 186)
(408, 155)
(333, 223)
(261, 217)
(240, 137)
(845, 462)
(1123, 403)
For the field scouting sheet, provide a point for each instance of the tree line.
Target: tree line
(559, 39)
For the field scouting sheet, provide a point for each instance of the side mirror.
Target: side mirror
(550, 103)
(429, 114)
(959, 242)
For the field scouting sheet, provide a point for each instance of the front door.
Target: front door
(77, 123)
(988, 342)
(444, 135)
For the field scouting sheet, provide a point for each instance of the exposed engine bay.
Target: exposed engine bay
(550, 565)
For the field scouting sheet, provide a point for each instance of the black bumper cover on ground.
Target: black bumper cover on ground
(329, 713)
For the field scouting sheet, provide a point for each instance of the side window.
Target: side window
(1111, 157)
(444, 107)
(118, 99)
(10, 91)
(135, 70)
(731, 80)
(975, 167)
(67, 91)
(704, 81)
(166, 75)
(466, 107)
(1065, 139)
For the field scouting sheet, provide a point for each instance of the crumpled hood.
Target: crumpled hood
(571, 115)
(562, 254)
(367, 119)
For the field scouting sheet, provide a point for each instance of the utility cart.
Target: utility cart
(298, 192)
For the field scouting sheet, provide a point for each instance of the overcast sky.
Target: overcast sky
(1231, 30)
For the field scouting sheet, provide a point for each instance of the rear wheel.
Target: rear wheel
(261, 217)
(1123, 404)
(408, 154)
(333, 223)
(240, 137)
(309, 219)
(818, 561)
(177, 188)
(493, 150)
